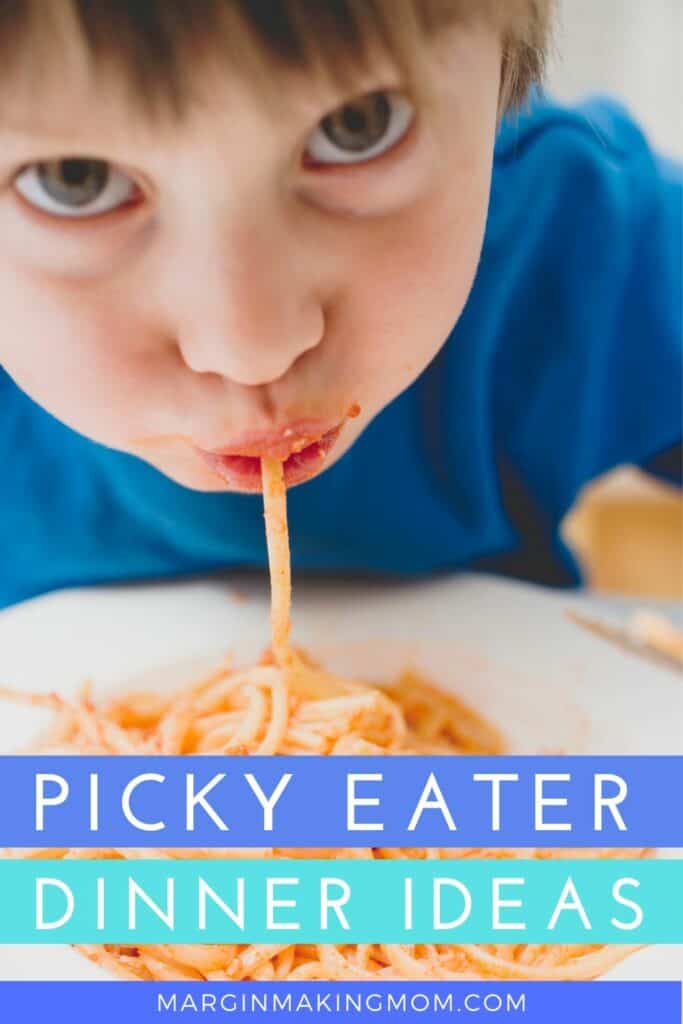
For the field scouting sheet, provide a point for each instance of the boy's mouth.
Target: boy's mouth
(303, 448)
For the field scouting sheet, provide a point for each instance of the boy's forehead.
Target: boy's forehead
(73, 102)
(56, 87)
(56, 90)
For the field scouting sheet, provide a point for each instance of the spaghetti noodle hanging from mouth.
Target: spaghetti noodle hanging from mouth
(288, 705)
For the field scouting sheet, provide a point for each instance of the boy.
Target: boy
(233, 229)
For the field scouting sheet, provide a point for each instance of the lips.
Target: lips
(302, 447)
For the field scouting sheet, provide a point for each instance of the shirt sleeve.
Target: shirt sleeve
(590, 374)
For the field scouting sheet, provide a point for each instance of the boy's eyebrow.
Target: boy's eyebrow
(30, 134)
(26, 134)
(77, 124)
(69, 117)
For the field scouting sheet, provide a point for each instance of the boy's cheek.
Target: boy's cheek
(60, 354)
(413, 285)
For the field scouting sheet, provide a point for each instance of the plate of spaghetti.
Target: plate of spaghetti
(460, 666)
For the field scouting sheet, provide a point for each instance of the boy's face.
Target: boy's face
(240, 281)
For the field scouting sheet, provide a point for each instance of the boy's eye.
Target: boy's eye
(361, 129)
(75, 187)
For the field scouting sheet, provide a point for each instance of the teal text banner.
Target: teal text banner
(336, 901)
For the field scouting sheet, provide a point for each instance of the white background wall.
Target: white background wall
(632, 49)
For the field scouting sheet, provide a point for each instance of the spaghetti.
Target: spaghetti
(288, 705)
(277, 539)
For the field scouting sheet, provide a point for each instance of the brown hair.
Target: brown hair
(155, 42)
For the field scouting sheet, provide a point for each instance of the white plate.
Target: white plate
(509, 649)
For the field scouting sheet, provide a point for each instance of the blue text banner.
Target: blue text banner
(342, 1002)
(157, 801)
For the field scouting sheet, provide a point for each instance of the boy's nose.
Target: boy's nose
(254, 312)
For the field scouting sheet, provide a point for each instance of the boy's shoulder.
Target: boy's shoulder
(558, 169)
(598, 126)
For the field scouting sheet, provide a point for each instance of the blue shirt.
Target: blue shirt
(566, 361)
